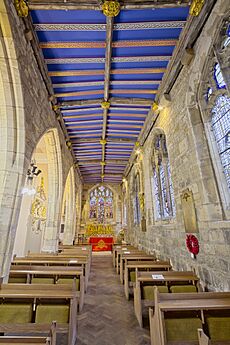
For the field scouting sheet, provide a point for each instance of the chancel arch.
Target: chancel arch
(39, 218)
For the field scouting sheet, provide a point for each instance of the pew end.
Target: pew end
(202, 337)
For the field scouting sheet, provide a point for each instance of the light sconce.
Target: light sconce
(32, 172)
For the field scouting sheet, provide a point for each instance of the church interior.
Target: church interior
(115, 172)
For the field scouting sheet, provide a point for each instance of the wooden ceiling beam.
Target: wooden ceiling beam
(96, 5)
(112, 100)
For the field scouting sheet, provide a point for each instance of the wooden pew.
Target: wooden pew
(64, 255)
(55, 261)
(141, 265)
(122, 252)
(159, 278)
(53, 274)
(31, 340)
(139, 256)
(26, 308)
(117, 248)
(176, 317)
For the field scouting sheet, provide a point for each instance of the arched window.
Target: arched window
(220, 120)
(136, 201)
(101, 204)
(163, 193)
(215, 110)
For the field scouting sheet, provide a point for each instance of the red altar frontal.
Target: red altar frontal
(101, 243)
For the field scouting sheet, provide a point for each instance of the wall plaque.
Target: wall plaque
(189, 211)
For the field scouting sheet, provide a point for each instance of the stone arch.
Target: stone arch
(40, 213)
(12, 140)
(69, 209)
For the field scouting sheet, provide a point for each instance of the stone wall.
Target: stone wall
(26, 98)
(191, 167)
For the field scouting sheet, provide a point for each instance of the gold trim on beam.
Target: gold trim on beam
(101, 72)
(117, 44)
(99, 92)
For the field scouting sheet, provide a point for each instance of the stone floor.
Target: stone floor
(108, 318)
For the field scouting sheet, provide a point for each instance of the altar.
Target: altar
(101, 243)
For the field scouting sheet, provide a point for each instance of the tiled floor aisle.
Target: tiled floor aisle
(108, 318)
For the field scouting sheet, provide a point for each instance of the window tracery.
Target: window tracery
(162, 182)
(215, 108)
(101, 204)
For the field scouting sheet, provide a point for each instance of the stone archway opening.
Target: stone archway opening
(38, 222)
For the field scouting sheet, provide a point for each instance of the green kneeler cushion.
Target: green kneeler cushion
(132, 276)
(183, 288)
(182, 329)
(69, 281)
(15, 313)
(219, 327)
(148, 291)
(40, 280)
(47, 313)
(17, 280)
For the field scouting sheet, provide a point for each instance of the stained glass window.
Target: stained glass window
(162, 183)
(221, 128)
(101, 204)
(218, 76)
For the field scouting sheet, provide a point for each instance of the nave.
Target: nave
(107, 318)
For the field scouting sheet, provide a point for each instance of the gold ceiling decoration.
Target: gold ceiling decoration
(196, 7)
(21, 8)
(111, 8)
(103, 141)
(154, 106)
(105, 105)
(103, 164)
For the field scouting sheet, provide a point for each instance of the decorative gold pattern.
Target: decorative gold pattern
(21, 8)
(117, 44)
(137, 144)
(38, 209)
(103, 164)
(55, 107)
(155, 106)
(105, 105)
(111, 8)
(103, 141)
(196, 7)
(99, 229)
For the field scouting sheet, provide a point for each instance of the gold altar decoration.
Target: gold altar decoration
(100, 229)
(196, 7)
(111, 8)
(21, 8)
(105, 105)
(189, 211)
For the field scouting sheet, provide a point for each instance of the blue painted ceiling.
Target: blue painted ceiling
(74, 45)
